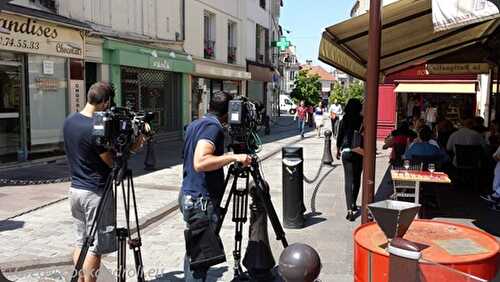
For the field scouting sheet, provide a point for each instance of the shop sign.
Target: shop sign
(470, 68)
(23, 34)
(48, 67)
(76, 92)
(161, 64)
(47, 84)
(447, 14)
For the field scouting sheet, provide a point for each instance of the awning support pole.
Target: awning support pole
(490, 93)
(370, 107)
(497, 100)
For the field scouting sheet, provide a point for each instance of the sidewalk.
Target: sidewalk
(48, 229)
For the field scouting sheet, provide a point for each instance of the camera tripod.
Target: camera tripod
(258, 257)
(119, 175)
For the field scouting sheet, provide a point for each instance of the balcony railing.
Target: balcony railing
(231, 54)
(209, 50)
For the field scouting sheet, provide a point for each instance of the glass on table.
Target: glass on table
(431, 168)
(406, 165)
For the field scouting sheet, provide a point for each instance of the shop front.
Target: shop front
(35, 57)
(415, 92)
(151, 80)
(210, 77)
(260, 88)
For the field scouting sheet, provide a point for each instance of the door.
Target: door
(11, 92)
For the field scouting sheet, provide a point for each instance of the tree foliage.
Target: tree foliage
(343, 94)
(307, 87)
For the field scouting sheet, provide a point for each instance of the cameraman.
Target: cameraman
(203, 175)
(90, 165)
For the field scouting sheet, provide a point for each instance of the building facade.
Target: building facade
(262, 29)
(39, 55)
(290, 70)
(138, 46)
(215, 37)
(362, 6)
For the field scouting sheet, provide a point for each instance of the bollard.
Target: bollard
(403, 260)
(150, 160)
(327, 151)
(293, 187)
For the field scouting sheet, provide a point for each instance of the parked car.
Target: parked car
(287, 105)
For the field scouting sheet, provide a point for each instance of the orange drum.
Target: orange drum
(452, 245)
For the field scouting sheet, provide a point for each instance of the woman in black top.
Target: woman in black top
(352, 154)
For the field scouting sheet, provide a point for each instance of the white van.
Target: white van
(287, 105)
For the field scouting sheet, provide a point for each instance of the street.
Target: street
(41, 241)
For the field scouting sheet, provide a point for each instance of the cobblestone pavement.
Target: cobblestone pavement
(45, 235)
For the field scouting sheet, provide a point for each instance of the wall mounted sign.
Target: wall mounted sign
(471, 68)
(77, 95)
(48, 67)
(23, 34)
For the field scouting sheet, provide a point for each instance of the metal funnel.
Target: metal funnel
(394, 217)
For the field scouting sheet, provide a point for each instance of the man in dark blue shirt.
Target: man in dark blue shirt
(90, 166)
(203, 174)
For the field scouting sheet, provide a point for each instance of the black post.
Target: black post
(293, 187)
(150, 160)
(327, 151)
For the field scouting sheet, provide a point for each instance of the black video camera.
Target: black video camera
(118, 128)
(243, 122)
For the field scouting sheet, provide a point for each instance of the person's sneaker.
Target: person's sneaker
(491, 198)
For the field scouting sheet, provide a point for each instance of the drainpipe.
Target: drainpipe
(183, 20)
(370, 107)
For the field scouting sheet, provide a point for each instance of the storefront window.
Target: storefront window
(47, 99)
(154, 91)
(200, 97)
(231, 87)
(11, 91)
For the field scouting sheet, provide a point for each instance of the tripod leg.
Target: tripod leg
(122, 234)
(136, 243)
(223, 211)
(240, 207)
(89, 240)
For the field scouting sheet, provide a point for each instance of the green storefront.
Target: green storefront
(154, 80)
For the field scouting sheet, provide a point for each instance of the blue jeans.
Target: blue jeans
(199, 207)
(301, 124)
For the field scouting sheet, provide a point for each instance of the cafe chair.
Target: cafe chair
(469, 162)
(405, 190)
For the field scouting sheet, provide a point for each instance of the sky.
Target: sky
(306, 20)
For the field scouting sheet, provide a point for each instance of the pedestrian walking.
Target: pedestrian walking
(310, 113)
(318, 119)
(302, 116)
(350, 149)
(335, 112)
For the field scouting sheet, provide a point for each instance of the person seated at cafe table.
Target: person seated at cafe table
(465, 136)
(399, 140)
(425, 148)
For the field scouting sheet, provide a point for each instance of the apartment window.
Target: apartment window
(232, 49)
(262, 4)
(209, 33)
(261, 45)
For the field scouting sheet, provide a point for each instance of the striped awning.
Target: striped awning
(408, 38)
(435, 88)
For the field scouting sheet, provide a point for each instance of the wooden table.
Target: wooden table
(419, 176)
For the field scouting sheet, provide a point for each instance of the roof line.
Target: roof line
(433, 40)
(436, 51)
(387, 25)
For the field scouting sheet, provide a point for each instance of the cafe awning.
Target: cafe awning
(408, 38)
(451, 88)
